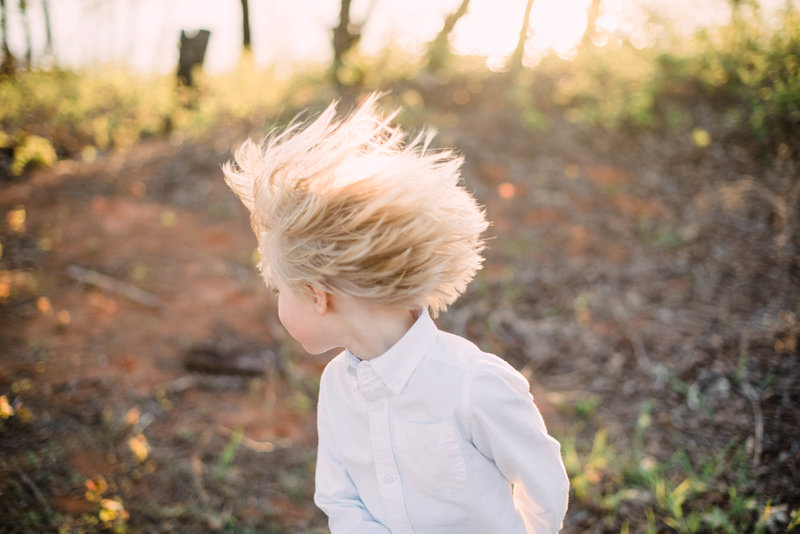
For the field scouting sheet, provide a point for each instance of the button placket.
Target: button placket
(376, 395)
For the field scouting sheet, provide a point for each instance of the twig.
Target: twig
(217, 521)
(255, 445)
(103, 281)
(34, 489)
(758, 418)
(500, 331)
(783, 208)
(197, 477)
(198, 467)
(791, 208)
(639, 351)
(180, 384)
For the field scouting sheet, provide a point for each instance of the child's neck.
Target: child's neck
(373, 330)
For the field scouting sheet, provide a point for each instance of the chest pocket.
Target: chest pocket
(430, 456)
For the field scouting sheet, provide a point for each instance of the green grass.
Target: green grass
(228, 455)
(640, 493)
(47, 115)
(748, 70)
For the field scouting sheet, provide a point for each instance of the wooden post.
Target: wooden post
(192, 54)
(245, 26)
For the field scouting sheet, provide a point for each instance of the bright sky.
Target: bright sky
(144, 33)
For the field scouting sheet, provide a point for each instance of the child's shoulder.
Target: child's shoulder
(464, 353)
(457, 350)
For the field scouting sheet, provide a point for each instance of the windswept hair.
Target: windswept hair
(350, 207)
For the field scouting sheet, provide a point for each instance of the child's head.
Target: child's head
(346, 206)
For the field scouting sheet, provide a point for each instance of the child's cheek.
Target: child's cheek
(283, 316)
(288, 316)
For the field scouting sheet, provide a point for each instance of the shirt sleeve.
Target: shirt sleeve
(507, 427)
(335, 493)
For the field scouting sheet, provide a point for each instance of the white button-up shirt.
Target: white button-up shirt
(434, 437)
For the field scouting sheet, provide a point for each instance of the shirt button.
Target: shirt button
(377, 406)
(388, 478)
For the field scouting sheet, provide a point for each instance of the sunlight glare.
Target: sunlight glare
(610, 18)
(558, 24)
(491, 29)
(144, 34)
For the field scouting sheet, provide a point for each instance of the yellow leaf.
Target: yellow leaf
(168, 218)
(112, 510)
(111, 504)
(45, 244)
(33, 150)
(6, 410)
(132, 417)
(682, 490)
(89, 154)
(139, 272)
(107, 515)
(63, 317)
(43, 305)
(16, 219)
(701, 137)
(25, 415)
(95, 488)
(139, 446)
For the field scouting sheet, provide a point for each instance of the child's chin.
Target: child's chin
(316, 351)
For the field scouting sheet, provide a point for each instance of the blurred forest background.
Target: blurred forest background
(639, 161)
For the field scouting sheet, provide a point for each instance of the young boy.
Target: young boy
(362, 236)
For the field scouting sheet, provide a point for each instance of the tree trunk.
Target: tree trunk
(245, 26)
(344, 38)
(519, 51)
(8, 63)
(48, 29)
(439, 49)
(26, 27)
(192, 54)
(591, 21)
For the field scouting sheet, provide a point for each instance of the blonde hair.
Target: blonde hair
(348, 206)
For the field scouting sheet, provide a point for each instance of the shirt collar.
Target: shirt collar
(396, 365)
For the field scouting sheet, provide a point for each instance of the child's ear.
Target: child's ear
(321, 300)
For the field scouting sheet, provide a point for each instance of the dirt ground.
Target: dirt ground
(625, 275)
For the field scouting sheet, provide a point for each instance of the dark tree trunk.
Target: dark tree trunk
(26, 28)
(48, 29)
(8, 63)
(439, 48)
(192, 54)
(245, 25)
(345, 37)
(519, 51)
